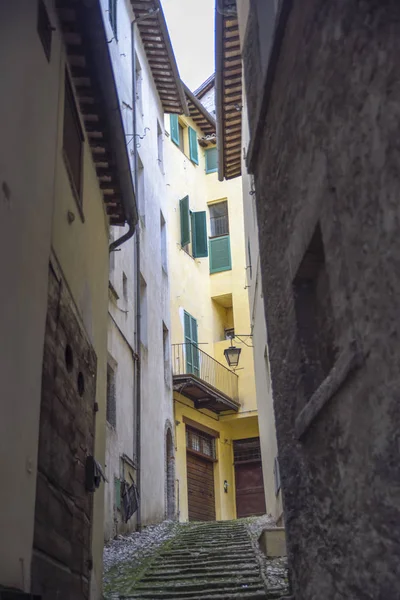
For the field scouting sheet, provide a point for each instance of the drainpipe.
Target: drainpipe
(137, 385)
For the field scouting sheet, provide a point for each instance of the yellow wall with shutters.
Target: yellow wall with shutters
(194, 290)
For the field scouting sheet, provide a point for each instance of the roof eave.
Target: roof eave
(96, 55)
(158, 14)
(227, 169)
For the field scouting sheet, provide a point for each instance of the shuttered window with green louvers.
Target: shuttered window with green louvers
(193, 148)
(185, 221)
(220, 254)
(191, 342)
(199, 235)
(174, 125)
(211, 160)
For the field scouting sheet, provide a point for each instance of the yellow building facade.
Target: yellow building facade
(216, 424)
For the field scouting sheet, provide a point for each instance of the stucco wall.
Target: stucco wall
(330, 154)
(192, 285)
(229, 429)
(81, 251)
(28, 124)
(36, 199)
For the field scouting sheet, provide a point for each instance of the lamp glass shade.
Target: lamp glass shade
(232, 355)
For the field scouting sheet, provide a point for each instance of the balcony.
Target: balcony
(201, 378)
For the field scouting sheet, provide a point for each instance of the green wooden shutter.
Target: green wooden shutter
(174, 124)
(185, 220)
(193, 149)
(211, 160)
(220, 254)
(191, 349)
(199, 235)
(188, 342)
(195, 350)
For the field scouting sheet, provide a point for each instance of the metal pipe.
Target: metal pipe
(137, 386)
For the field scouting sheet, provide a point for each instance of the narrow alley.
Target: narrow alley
(199, 299)
(208, 561)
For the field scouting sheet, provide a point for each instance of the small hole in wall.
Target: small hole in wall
(69, 358)
(81, 384)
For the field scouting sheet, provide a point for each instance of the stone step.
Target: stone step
(193, 574)
(226, 595)
(232, 549)
(203, 568)
(208, 560)
(211, 543)
(237, 583)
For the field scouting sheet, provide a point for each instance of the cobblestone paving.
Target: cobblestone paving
(204, 561)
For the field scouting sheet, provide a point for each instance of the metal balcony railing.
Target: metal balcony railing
(188, 359)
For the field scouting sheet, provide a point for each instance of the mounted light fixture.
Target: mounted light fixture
(232, 355)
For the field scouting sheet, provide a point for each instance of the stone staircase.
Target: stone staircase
(205, 561)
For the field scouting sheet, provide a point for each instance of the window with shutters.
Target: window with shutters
(112, 15)
(174, 128)
(181, 137)
(73, 142)
(220, 246)
(177, 130)
(219, 219)
(193, 146)
(191, 344)
(193, 230)
(211, 160)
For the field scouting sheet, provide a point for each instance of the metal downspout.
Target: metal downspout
(137, 387)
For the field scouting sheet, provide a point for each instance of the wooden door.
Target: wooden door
(200, 480)
(250, 497)
(61, 560)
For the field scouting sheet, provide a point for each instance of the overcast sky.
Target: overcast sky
(191, 28)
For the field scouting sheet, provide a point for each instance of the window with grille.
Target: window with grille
(200, 442)
(72, 141)
(219, 220)
(247, 450)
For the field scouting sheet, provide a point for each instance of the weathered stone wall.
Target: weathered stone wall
(330, 154)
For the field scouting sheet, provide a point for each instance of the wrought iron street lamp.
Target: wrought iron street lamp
(232, 355)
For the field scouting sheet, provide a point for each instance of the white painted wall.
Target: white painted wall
(208, 101)
(156, 395)
(28, 125)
